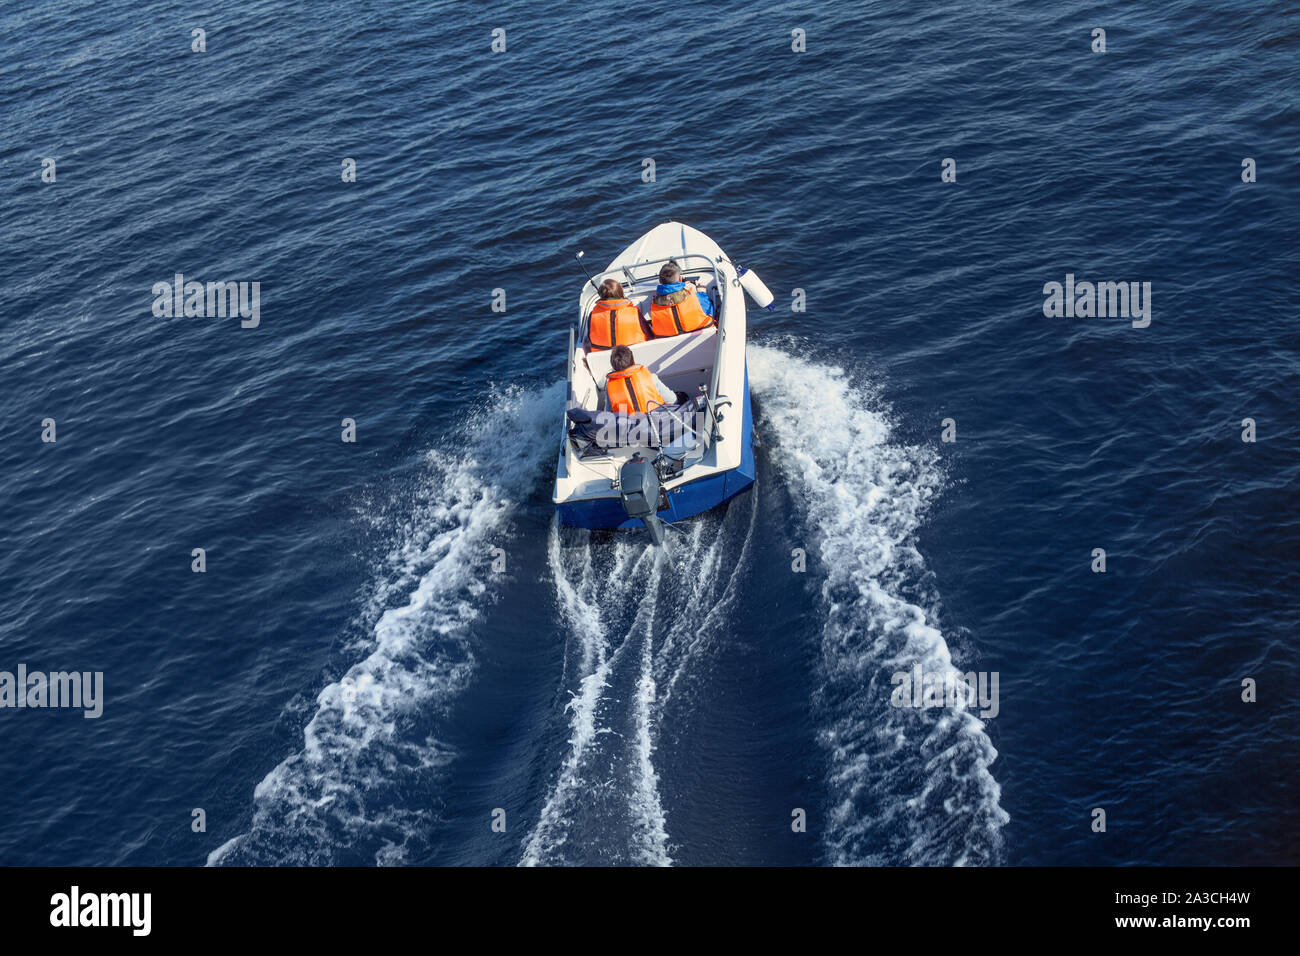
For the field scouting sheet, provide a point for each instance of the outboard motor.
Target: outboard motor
(638, 486)
(751, 283)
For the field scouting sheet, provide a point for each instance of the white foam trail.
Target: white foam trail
(347, 792)
(649, 830)
(906, 786)
(709, 592)
(653, 833)
(595, 784)
(638, 618)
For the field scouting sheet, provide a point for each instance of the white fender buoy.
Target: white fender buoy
(751, 283)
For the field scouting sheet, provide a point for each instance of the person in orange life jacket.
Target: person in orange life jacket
(678, 306)
(615, 320)
(634, 388)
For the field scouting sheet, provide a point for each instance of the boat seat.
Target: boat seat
(664, 356)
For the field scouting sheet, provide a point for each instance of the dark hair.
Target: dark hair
(611, 289)
(670, 273)
(620, 358)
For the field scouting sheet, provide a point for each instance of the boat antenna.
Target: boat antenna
(584, 269)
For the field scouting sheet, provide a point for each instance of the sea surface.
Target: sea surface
(354, 679)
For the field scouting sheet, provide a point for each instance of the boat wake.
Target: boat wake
(906, 786)
(363, 788)
(636, 636)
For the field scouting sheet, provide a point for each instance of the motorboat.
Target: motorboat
(667, 464)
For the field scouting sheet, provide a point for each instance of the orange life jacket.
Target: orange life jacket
(686, 316)
(614, 322)
(633, 390)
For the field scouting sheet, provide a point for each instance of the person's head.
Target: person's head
(611, 289)
(620, 358)
(670, 273)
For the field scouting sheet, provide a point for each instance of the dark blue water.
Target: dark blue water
(351, 682)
